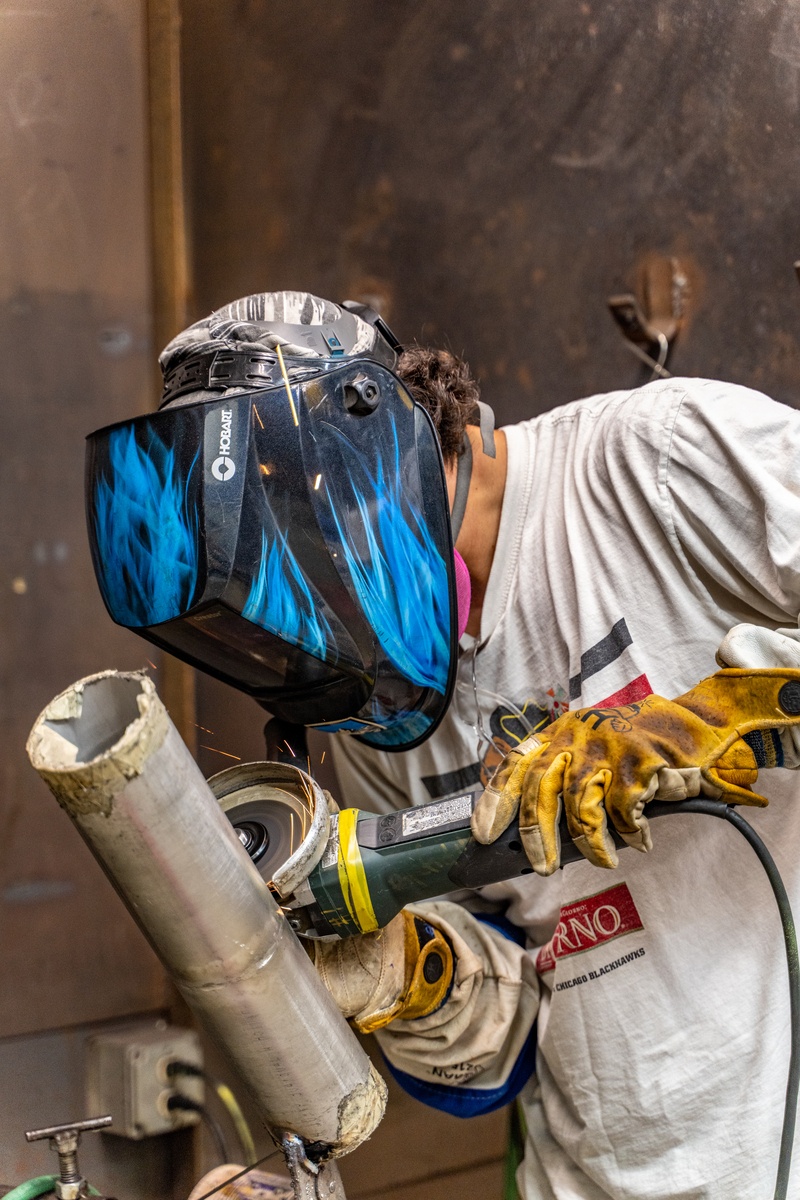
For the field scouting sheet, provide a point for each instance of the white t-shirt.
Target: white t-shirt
(637, 528)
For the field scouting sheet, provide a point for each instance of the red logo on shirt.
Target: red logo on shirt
(590, 922)
(637, 689)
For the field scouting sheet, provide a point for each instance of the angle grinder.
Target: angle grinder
(343, 872)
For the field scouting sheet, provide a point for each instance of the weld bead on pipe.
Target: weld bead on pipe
(110, 754)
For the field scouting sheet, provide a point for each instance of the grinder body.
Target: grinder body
(359, 870)
(374, 865)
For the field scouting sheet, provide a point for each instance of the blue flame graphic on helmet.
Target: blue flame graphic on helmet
(281, 601)
(402, 582)
(146, 531)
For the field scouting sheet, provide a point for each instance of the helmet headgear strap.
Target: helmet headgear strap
(485, 421)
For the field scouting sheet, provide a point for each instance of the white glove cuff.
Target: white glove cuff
(752, 647)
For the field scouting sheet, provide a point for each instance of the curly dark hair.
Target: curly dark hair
(442, 383)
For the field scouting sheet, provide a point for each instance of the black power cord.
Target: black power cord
(717, 808)
(183, 1103)
(227, 1099)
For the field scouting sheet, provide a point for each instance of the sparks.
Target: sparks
(263, 468)
(322, 760)
(257, 417)
(210, 732)
(287, 384)
(317, 482)
(223, 752)
(151, 664)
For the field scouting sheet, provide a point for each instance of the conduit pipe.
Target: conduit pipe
(118, 766)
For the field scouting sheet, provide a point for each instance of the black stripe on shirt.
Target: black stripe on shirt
(600, 655)
(452, 781)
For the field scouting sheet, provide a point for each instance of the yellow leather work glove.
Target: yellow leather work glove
(607, 763)
(403, 971)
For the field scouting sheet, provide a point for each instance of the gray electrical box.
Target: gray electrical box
(127, 1077)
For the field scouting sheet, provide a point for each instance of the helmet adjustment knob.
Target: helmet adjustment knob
(361, 396)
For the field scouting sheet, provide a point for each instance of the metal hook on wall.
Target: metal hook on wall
(649, 328)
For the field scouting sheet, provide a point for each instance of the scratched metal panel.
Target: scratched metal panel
(494, 170)
(74, 327)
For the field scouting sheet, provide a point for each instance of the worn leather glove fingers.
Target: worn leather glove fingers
(585, 800)
(735, 771)
(540, 812)
(591, 798)
(625, 809)
(499, 803)
(603, 764)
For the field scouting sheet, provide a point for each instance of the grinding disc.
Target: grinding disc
(272, 821)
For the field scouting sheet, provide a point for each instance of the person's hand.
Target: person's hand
(403, 971)
(606, 763)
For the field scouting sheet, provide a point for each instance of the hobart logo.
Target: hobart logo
(590, 922)
(223, 467)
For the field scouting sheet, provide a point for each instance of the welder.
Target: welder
(608, 555)
(615, 546)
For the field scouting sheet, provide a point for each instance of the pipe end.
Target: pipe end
(95, 736)
(361, 1112)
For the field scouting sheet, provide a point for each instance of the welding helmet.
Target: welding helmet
(282, 521)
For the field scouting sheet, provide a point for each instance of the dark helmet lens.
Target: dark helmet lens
(296, 545)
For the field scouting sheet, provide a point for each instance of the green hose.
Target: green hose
(39, 1186)
(32, 1187)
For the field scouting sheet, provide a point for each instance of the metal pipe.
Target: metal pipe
(110, 754)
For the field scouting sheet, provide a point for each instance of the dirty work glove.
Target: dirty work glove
(603, 763)
(404, 970)
(754, 646)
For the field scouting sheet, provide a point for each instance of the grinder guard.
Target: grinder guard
(299, 549)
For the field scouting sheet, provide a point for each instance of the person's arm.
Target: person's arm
(451, 999)
(717, 467)
(734, 489)
(474, 1047)
(731, 482)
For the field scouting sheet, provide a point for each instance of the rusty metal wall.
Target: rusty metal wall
(494, 170)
